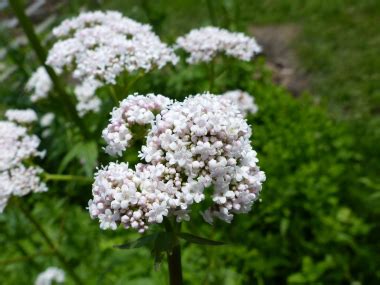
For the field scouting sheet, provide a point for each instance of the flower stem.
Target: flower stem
(132, 82)
(174, 257)
(175, 266)
(50, 243)
(211, 75)
(63, 98)
(211, 12)
(114, 96)
(64, 177)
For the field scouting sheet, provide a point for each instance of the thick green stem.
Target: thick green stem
(175, 266)
(174, 257)
(63, 177)
(63, 98)
(51, 244)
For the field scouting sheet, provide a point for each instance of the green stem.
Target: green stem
(174, 257)
(175, 266)
(35, 43)
(114, 96)
(211, 12)
(211, 75)
(132, 82)
(25, 258)
(64, 177)
(50, 243)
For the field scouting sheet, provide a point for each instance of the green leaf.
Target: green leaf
(148, 241)
(199, 240)
(86, 153)
(72, 154)
(165, 241)
(89, 157)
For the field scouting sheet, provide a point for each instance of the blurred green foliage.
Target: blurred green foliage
(317, 220)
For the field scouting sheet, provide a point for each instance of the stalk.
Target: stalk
(211, 75)
(175, 266)
(211, 12)
(63, 177)
(35, 43)
(174, 257)
(51, 244)
(132, 82)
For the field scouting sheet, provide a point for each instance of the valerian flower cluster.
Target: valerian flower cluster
(195, 150)
(17, 175)
(205, 43)
(98, 46)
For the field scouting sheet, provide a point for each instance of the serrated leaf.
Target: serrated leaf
(199, 240)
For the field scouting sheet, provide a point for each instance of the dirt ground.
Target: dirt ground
(277, 42)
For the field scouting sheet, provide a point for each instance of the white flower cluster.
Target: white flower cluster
(134, 110)
(243, 100)
(21, 116)
(50, 275)
(205, 43)
(17, 178)
(98, 46)
(39, 84)
(196, 150)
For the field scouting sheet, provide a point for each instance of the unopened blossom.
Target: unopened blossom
(199, 144)
(25, 116)
(134, 110)
(243, 100)
(39, 84)
(205, 43)
(17, 178)
(50, 276)
(98, 46)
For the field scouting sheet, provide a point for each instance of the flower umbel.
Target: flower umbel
(205, 43)
(201, 143)
(96, 47)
